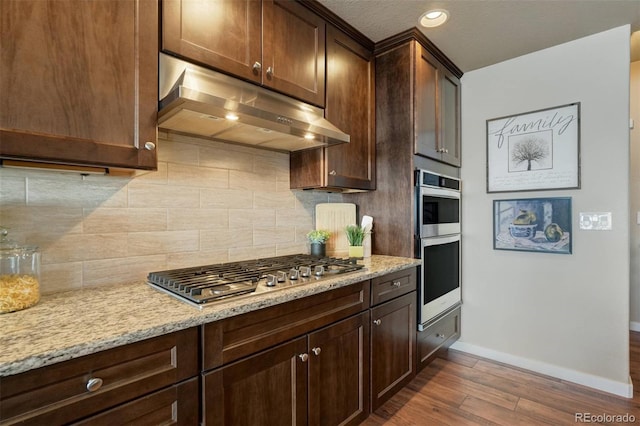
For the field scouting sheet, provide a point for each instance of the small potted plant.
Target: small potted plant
(356, 235)
(318, 239)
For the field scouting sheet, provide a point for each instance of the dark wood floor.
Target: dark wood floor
(459, 389)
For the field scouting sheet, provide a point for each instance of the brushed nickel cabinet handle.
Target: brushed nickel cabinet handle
(257, 67)
(397, 283)
(333, 173)
(303, 357)
(377, 322)
(94, 384)
(149, 146)
(269, 72)
(316, 351)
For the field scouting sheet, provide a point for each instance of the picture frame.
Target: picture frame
(536, 150)
(533, 225)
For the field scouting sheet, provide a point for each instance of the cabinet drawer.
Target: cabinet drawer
(59, 393)
(392, 285)
(175, 405)
(442, 333)
(236, 337)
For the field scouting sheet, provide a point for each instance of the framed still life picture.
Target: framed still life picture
(533, 224)
(535, 150)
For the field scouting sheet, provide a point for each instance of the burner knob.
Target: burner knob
(282, 276)
(305, 271)
(293, 274)
(271, 280)
(318, 271)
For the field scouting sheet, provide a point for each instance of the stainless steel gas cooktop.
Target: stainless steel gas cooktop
(200, 285)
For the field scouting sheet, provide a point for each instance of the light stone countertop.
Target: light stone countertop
(68, 325)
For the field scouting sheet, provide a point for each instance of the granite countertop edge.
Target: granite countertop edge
(68, 325)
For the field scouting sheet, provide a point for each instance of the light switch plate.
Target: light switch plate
(595, 221)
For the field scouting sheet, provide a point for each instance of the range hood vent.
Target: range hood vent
(198, 101)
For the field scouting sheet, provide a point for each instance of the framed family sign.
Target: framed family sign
(534, 150)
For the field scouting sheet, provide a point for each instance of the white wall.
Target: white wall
(562, 315)
(634, 192)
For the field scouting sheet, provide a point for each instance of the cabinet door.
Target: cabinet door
(79, 82)
(269, 388)
(338, 366)
(450, 106)
(427, 108)
(350, 106)
(393, 337)
(222, 34)
(293, 50)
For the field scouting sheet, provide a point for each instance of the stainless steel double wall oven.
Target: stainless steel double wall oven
(437, 244)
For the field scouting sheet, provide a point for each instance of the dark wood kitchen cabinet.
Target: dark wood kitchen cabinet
(304, 361)
(153, 381)
(438, 334)
(350, 106)
(315, 379)
(437, 113)
(277, 43)
(393, 334)
(79, 82)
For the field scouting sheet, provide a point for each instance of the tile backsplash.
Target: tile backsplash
(209, 202)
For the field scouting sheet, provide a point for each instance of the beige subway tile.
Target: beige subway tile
(199, 258)
(225, 198)
(251, 181)
(294, 217)
(193, 176)
(146, 243)
(248, 218)
(105, 220)
(58, 277)
(285, 249)
(273, 200)
(172, 150)
(157, 176)
(252, 252)
(123, 270)
(12, 189)
(275, 165)
(265, 236)
(77, 247)
(225, 238)
(226, 156)
(180, 219)
(34, 221)
(73, 191)
(154, 196)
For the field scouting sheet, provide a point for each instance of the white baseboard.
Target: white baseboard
(634, 326)
(585, 379)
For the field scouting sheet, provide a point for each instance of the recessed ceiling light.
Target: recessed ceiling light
(309, 136)
(231, 116)
(434, 18)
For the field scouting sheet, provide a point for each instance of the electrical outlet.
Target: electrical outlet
(596, 221)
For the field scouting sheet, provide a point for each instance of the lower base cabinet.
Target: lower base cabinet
(317, 379)
(393, 347)
(439, 334)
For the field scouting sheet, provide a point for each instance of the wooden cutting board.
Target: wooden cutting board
(334, 217)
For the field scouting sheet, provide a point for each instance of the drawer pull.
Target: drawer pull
(94, 384)
(303, 357)
(316, 351)
(440, 335)
(377, 322)
(397, 283)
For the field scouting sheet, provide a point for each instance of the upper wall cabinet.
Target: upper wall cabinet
(79, 82)
(437, 109)
(350, 105)
(277, 43)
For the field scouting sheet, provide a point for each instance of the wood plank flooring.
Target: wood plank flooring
(461, 389)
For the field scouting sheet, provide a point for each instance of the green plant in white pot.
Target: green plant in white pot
(318, 239)
(355, 236)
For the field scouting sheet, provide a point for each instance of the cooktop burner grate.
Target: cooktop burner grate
(204, 284)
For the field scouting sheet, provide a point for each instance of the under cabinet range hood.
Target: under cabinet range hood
(198, 101)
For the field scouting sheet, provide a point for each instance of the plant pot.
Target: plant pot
(318, 249)
(356, 252)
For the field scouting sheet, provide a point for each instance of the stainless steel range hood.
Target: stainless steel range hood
(198, 101)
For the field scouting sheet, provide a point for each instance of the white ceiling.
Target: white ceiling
(484, 32)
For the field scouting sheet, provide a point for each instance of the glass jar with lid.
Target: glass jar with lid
(19, 274)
